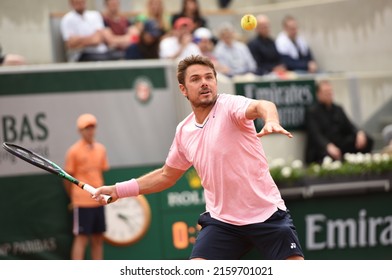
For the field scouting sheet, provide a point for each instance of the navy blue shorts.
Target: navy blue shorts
(88, 220)
(274, 239)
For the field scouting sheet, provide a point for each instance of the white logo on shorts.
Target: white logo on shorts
(293, 246)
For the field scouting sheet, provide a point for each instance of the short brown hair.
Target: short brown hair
(286, 19)
(320, 83)
(189, 61)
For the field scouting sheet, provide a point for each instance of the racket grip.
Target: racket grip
(92, 191)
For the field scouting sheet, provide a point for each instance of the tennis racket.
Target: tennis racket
(49, 166)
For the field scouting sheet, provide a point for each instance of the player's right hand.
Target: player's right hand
(108, 190)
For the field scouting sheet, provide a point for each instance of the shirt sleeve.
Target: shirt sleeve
(237, 105)
(98, 20)
(176, 158)
(66, 27)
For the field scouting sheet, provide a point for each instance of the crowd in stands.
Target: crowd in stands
(155, 33)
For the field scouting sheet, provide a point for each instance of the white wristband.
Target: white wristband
(127, 188)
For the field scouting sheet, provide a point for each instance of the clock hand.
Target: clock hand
(126, 220)
(122, 217)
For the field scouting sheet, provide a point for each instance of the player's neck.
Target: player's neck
(201, 114)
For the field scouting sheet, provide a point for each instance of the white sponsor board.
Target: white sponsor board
(134, 132)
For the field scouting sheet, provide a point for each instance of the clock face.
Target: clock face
(127, 220)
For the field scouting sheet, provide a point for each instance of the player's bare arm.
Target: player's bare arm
(267, 111)
(159, 179)
(155, 181)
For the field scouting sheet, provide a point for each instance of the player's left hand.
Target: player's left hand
(273, 127)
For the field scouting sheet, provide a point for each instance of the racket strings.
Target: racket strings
(35, 158)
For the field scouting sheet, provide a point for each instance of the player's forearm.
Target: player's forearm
(263, 109)
(155, 181)
(269, 112)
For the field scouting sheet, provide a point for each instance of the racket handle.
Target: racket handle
(92, 191)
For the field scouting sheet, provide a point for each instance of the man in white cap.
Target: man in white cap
(204, 38)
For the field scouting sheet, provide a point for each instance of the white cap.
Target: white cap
(202, 33)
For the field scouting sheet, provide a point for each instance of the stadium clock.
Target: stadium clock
(127, 220)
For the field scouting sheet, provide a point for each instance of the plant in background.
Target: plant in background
(352, 165)
(285, 172)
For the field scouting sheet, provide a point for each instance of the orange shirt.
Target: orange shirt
(86, 163)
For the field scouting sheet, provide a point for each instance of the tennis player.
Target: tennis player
(244, 208)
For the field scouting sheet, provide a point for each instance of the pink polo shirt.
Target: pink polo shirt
(230, 160)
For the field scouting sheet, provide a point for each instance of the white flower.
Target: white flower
(336, 165)
(297, 164)
(360, 158)
(385, 157)
(327, 162)
(286, 171)
(278, 162)
(367, 158)
(350, 158)
(377, 157)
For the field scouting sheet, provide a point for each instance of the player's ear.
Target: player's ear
(183, 90)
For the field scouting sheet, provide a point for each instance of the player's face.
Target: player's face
(200, 86)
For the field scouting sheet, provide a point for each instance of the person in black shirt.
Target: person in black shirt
(264, 50)
(329, 130)
(191, 9)
(148, 45)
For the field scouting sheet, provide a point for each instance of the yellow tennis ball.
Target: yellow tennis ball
(248, 22)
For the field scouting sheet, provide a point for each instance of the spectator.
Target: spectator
(86, 160)
(329, 130)
(203, 37)
(232, 53)
(82, 32)
(387, 135)
(148, 45)
(10, 59)
(191, 9)
(180, 43)
(224, 4)
(119, 32)
(264, 51)
(294, 49)
(155, 10)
